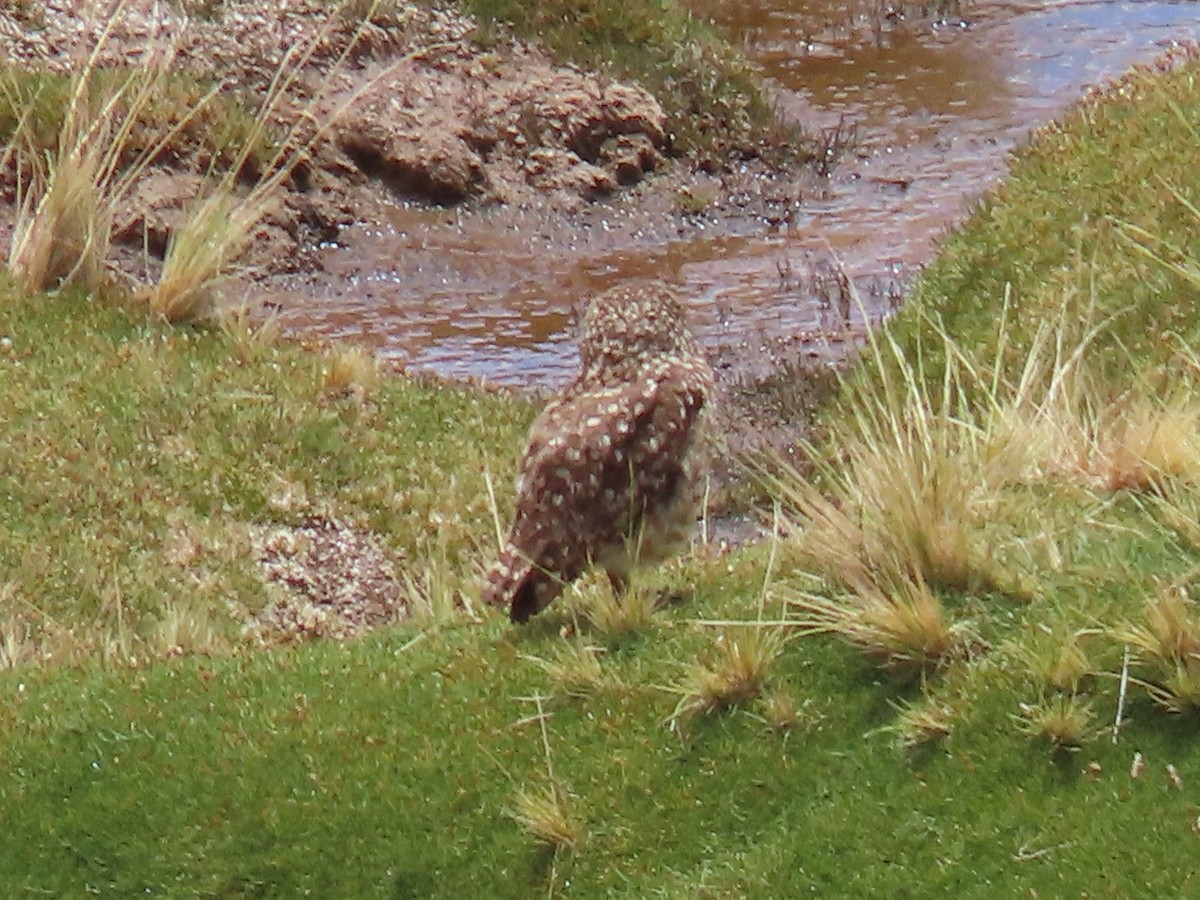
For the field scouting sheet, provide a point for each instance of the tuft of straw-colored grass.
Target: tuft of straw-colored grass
(200, 255)
(437, 589)
(613, 618)
(575, 670)
(350, 372)
(547, 815)
(1168, 645)
(914, 473)
(923, 723)
(1179, 689)
(69, 196)
(1142, 444)
(187, 630)
(1066, 721)
(781, 712)
(735, 674)
(1171, 633)
(902, 629)
(61, 238)
(1058, 661)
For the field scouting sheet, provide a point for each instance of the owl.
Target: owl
(612, 473)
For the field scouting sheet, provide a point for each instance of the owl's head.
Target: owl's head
(632, 325)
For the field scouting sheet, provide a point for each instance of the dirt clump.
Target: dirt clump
(328, 579)
(405, 100)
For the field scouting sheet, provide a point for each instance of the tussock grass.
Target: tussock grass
(915, 472)
(115, 126)
(438, 592)
(923, 723)
(202, 252)
(200, 256)
(1059, 659)
(1171, 633)
(781, 712)
(189, 630)
(735, 673)
(1167, 646)
(547, 813)
(351, 373)
(1065, 721)
(614, 619)
(68, 195)
(903, 629)
(575, 670)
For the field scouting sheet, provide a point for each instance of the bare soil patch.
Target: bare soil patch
(419, 110)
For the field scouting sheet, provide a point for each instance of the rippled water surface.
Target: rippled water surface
(936, 107)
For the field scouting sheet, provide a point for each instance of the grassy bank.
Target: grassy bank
(971, 669)
(140, 460)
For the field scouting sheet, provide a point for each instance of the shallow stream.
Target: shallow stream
(935, 108)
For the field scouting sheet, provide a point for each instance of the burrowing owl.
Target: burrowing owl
(611, 473)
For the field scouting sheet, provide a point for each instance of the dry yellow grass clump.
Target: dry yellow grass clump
(1168, 647)
(736, 672)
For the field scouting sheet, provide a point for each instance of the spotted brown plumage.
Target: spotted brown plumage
(611, 474)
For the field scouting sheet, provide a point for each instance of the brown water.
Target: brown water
(937, 108)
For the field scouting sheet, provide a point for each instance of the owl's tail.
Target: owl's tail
(514, 581)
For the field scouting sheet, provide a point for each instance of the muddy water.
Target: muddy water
(935, 106)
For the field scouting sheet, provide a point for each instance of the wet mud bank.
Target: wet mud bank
(779, 267)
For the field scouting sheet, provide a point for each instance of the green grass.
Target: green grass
(128, 444)
(1055, 236)
(382, 768)
(1005, 475)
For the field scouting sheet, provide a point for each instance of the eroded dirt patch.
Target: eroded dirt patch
(405, 103)
(326, 579)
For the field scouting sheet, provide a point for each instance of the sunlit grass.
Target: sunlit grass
(166, 446)
(137, 457)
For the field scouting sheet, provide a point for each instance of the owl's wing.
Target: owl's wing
(593, 457)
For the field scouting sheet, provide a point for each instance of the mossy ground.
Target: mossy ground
(387, 766)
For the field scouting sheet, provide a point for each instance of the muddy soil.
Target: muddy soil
(403, 106)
